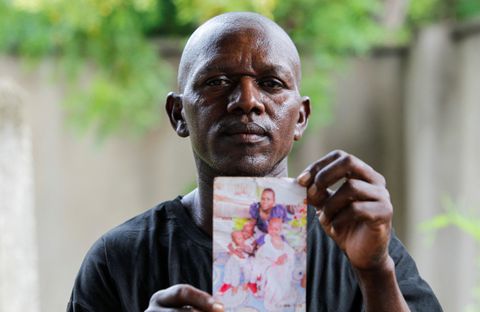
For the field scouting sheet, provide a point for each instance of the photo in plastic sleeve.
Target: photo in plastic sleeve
(259, 244)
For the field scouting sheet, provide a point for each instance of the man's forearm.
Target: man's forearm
(380, 289)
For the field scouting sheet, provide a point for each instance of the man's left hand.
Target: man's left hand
(358, 216)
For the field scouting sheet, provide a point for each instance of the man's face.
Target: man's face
(267, 201)
(241, 103)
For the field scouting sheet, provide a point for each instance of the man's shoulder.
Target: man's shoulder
(134, 238)
(151, 220)
(122, 257)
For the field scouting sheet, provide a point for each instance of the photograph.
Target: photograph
(259, 244)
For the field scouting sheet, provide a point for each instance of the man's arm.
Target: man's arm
(358, 217)
(380, 289)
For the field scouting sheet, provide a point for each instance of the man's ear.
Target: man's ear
(302, 121)
(174, 107)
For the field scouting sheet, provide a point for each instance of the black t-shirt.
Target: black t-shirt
(163, 247)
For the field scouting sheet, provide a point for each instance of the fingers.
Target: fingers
(371, 212)
(318, 197)
(306, 176)
(335, 166)
(183, 298)
(357, 200)
(332, 168)
(351, 191)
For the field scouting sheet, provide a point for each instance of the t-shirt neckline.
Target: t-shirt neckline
(185, 222)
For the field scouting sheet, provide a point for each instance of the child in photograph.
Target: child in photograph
(240, 249)
(274, 266)
(248, 231)
(235, 264)
(262, 212)
(249, 245)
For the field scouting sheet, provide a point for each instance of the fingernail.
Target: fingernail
(312, 190)
(217, 307)
(304, 177)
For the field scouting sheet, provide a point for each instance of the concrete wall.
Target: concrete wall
(443, 147)
(368, 122)
(18, 254)
(412, 114)
(83, 188)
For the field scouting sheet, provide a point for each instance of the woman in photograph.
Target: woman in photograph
(267, 209)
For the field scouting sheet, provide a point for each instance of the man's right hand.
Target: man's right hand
(183, 297)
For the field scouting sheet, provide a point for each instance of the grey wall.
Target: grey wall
(414, 115)
(443, 147)
(83, 188)
(18, 254)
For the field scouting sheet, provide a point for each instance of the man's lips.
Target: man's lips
(239, 128)
(245, 133)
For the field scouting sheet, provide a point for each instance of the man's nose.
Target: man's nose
(245, 97)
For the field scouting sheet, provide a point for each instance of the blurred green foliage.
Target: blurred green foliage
(468, 221)
(107, 37)
(112, 40)
(326, 34)
(455, 216)
(426, 11)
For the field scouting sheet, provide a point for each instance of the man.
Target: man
(266, 209)
(240, 105)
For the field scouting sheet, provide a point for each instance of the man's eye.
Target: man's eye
(218, 82)
(271, 84)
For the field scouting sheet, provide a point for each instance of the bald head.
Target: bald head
(221, 29)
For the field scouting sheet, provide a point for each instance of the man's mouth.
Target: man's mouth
(246, 133)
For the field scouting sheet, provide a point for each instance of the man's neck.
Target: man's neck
(199, 202)
(194, 201)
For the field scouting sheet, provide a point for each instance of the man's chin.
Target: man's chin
(245, 172)
(231, 165)
(251, 167)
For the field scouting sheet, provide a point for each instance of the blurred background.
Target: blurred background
(85, 143)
